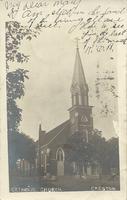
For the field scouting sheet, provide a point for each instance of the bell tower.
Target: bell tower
(80, 113)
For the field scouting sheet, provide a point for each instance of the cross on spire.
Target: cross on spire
(77, 39)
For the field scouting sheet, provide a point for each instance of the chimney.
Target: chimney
(41, 133)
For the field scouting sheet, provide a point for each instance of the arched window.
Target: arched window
(60, 154)
(74, 100)
(77, 99)
(80, 100)
(86, 100)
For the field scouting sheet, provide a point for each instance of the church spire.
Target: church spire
(80, 112)
(78, 75)
(79, 87)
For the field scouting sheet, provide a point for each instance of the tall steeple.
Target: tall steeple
(80, 112)
(79, 87)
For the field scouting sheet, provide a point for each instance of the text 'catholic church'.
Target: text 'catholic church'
(54, 146)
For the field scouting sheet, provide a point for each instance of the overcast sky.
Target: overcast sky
(47, 92)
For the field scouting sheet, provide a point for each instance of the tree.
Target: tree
(80, 151)
(15, 34)
(112, 159)
(99, 146)
(105, 153)
(25, 147)
(15, 89)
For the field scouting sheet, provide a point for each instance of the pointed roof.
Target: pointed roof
(78, 74)
(51, 136)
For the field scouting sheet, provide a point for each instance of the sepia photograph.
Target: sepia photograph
(63, 95)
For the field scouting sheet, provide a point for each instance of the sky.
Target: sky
(52, 56)
(47, 92)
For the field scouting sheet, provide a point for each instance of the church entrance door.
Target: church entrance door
(60, 168)
(60, 162)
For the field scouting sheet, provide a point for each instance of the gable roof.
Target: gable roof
(51, 135)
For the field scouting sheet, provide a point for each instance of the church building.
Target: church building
(52, 146)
